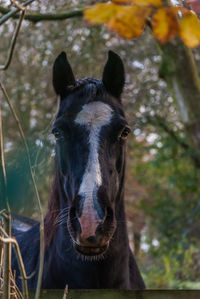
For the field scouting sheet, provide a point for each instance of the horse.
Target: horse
(86, 239)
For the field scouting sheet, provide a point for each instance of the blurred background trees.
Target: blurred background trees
(163, 171)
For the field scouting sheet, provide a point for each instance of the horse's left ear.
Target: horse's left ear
(63, 77)
(114, 75)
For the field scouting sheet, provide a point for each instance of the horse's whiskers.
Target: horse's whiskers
(92, 258)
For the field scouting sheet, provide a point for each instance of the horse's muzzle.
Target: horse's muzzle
(91, 251)
(92, 235)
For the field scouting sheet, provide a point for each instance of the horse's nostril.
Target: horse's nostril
(92, 239)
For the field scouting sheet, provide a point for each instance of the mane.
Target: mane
(51, 218)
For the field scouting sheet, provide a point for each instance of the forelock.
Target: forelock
(90, 84)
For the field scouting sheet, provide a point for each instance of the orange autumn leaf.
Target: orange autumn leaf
(101, 13)
(130, 21)
(165, 24)
(190, 29)
(122, 1)
(153, 3)
(146, 3)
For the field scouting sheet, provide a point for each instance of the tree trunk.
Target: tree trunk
(179, 70)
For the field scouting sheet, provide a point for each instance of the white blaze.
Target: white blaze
(94, 116)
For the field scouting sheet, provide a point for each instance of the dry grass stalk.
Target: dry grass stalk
(14, 290)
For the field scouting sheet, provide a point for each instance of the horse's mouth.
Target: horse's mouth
(91, 251)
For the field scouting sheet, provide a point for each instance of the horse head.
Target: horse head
(90, 131)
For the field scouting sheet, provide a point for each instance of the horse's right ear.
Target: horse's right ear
(63, 77)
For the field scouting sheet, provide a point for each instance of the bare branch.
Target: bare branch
(10, 13)
(18, 5)
(41, 17)
(13, 42)
(7, 219)
(160, 122)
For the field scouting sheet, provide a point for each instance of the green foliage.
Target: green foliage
(172, 209)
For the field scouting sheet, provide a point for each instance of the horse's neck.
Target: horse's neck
(120, 239)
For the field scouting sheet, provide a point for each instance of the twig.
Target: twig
(1, 256)
(157, 120)
(3, 169)
(14, 291)
(4, 232)
(7, 219)
(34, 17)
(13, 42)
(39, 282)
(12, 241)
(3, 213)
(10, 13)
(18, 5)
(66, 292)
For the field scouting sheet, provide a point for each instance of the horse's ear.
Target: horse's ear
(63, 77)
(114, 75)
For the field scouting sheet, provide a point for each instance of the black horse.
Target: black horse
(86, 240)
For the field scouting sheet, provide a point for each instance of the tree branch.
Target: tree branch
(180, 72)
(7, 219)
(13, 42)
(160, 122)
(37, 17)
(10, 13)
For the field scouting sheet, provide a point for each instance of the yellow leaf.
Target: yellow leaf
(153, 3)
(130, 21)
(190, 29)
(101, 13)
(122, 1)
(165, 24)
(146, 3)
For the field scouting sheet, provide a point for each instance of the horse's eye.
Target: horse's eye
(125, 132)
(57, 133)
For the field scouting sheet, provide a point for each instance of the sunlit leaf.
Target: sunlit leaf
(101, 13)
(154, 3)
(190, 29)
(122, 1)
(146, 3)
(195, 5)
(165, 24)
(130, 21)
